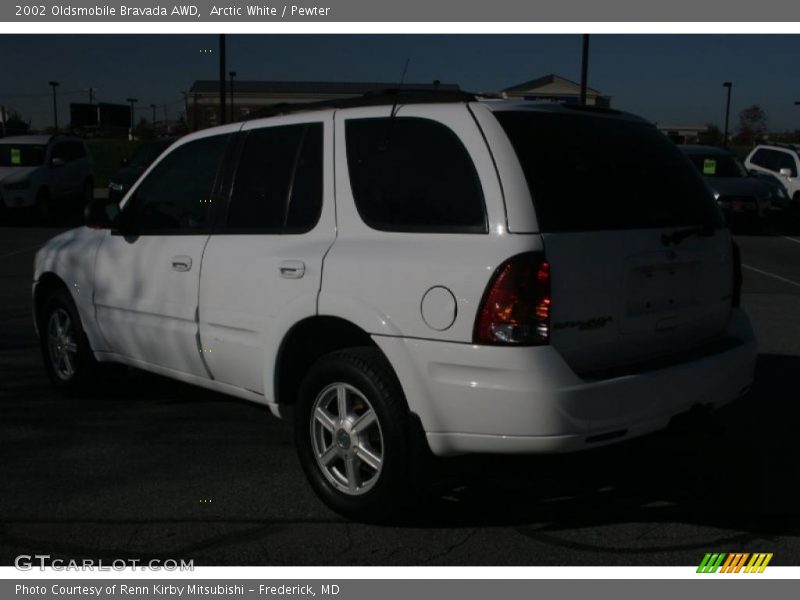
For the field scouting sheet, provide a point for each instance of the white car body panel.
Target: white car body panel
(146, 309)
(70, 256)
(221, 324)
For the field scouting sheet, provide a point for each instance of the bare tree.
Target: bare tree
(752, 125)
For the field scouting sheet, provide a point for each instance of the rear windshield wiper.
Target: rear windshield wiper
(676, 237)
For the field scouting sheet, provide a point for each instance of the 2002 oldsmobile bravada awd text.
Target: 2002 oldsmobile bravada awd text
(414, 271)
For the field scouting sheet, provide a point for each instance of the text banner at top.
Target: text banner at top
(733, 11)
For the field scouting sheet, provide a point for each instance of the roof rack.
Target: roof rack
(382, 97)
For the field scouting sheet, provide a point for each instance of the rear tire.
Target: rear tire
(354, 436)
(67, 357)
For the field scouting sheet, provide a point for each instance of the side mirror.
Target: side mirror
(57, 162)
(785, 172)
(101, 214)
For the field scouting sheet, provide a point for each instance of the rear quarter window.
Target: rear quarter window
(414, 175)
(589, 173)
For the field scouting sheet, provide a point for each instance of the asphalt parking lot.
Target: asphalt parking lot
(158, 469)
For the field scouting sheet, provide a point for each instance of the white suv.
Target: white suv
(782, 161)
(425, 272)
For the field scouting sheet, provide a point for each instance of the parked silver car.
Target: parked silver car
(43, 173)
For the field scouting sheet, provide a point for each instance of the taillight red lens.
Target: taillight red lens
(517, 304)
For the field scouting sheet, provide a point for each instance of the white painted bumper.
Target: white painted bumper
(527, 400)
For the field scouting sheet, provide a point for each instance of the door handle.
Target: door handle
(181, 263)
(292, 269)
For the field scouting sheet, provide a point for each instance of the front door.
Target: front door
(147, 274)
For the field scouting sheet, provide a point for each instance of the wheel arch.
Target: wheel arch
(305, 343)
(47, 283)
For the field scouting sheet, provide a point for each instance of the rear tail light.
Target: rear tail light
(516, 305)
(736, 292)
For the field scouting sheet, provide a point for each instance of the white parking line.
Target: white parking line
(791, 239)
(768, 274)
(15, 252)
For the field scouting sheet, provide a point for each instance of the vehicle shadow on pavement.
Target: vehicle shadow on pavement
(89, 475)
(733, 470)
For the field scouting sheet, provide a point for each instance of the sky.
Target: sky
(669, 79)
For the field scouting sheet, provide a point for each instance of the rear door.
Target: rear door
(262, 266)
(640, 261)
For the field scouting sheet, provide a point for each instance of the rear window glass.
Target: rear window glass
(718, 165)
(412, 174)
(589, 173)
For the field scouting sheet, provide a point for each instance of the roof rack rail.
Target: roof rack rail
(786, 145)
(380, 97)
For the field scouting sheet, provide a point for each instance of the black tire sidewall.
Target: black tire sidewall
(385, 396)
(85, 366)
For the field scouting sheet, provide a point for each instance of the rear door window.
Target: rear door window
(590, 172)
(414, 175)
(277, 187)
(763, 158)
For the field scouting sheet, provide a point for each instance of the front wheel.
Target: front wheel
(353, 434)
(67, 356)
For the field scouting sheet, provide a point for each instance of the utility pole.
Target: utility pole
(153, 122)
(132, 101)
(232, 75)
(54, 85)
(584, 68)
(222, 79)
(729, 85)
(166, 120)
(91, 91)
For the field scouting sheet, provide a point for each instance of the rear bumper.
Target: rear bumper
(474, 399)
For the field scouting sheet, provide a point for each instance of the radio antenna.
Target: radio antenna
(399, 87)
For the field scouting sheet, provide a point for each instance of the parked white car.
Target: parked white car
(414, 273)
(42, 173)
(781, 161)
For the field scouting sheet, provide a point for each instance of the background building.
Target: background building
(100, 119)
(683, 134)
(556, 89)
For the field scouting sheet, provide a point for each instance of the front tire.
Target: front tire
(353, 434)
(67, 356)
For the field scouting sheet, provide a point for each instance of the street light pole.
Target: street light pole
(729, 85)
(584, 68)
(222, 79)
(132, 101)
(232, 75)
(54, 85)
